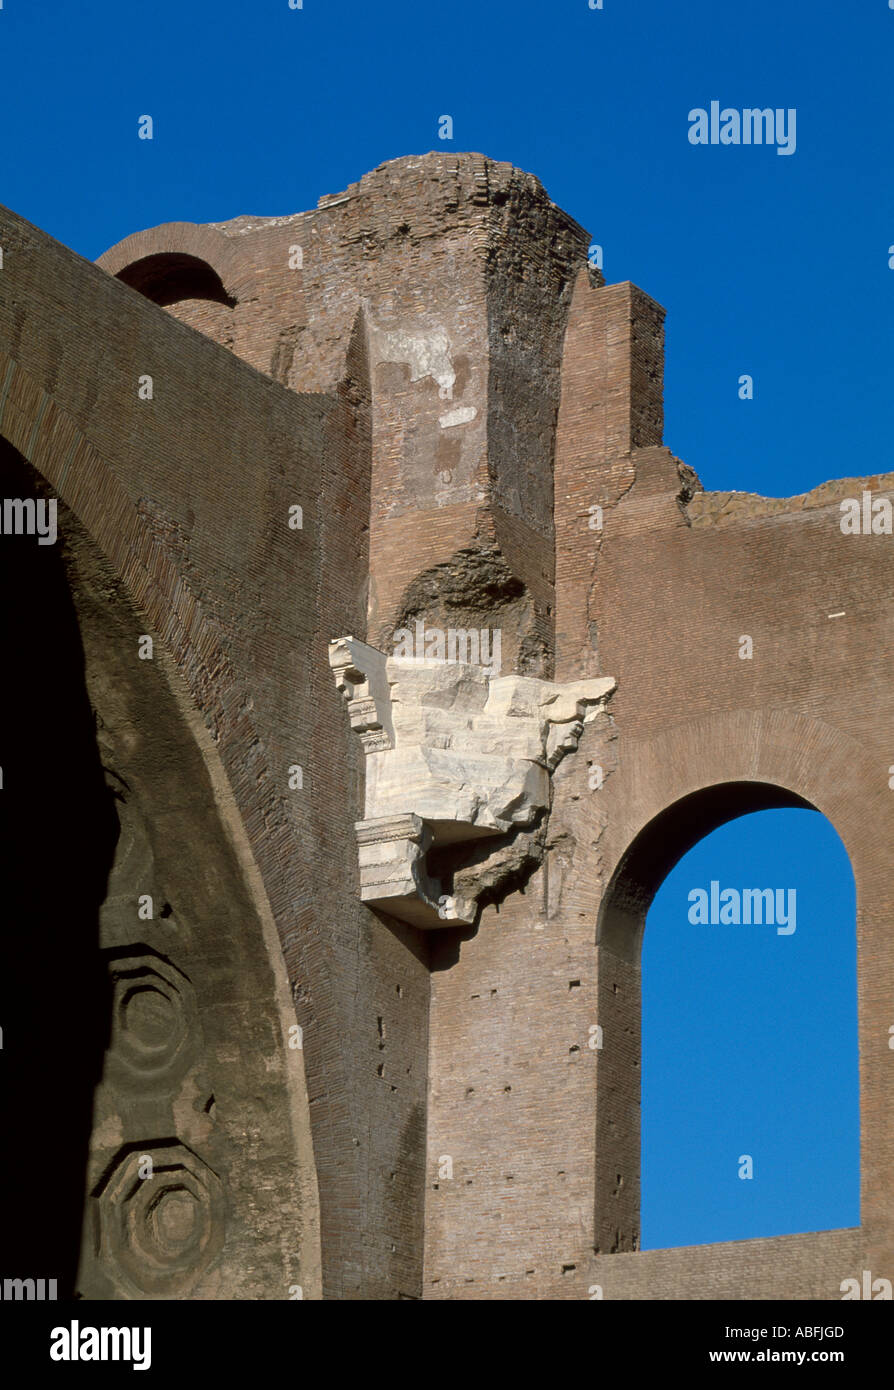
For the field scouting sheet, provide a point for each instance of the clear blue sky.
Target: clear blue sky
(768, 265)
(750, 1042)
(771, 265)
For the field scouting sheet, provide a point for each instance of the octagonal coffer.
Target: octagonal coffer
(153, 1012)
(158, 1218)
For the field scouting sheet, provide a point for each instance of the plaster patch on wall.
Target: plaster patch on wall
(461, 416)
(426, 354)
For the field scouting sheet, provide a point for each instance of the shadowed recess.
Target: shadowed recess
(58, 830)
(169, 277)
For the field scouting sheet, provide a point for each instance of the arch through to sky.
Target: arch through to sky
(750, 1118)
(675, 798)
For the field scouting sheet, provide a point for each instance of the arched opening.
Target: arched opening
(750, 1095)
(143, 1005)
(694, 982)
(188, 288)
(171, 276)
(59, 830)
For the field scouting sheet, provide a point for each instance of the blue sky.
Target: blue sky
(771, 265)
(750, 1042)
(768, 265)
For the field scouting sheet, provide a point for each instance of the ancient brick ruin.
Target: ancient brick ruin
(327, 931)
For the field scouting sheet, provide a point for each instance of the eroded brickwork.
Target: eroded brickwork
(471, 423)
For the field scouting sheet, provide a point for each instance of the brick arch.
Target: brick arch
(187, 654)
(664, 841)
(678, 786)
(49, 440)
(172, 276)
(172, 239)
(186, 270)
(807, 761)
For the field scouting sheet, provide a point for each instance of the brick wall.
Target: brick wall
(462, 392)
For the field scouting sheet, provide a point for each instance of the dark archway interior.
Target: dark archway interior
(106, 797)
(169, 277)
(58, 830)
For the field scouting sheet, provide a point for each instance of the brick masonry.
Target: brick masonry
(427, 366)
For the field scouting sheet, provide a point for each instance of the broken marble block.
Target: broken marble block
(453, 754)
